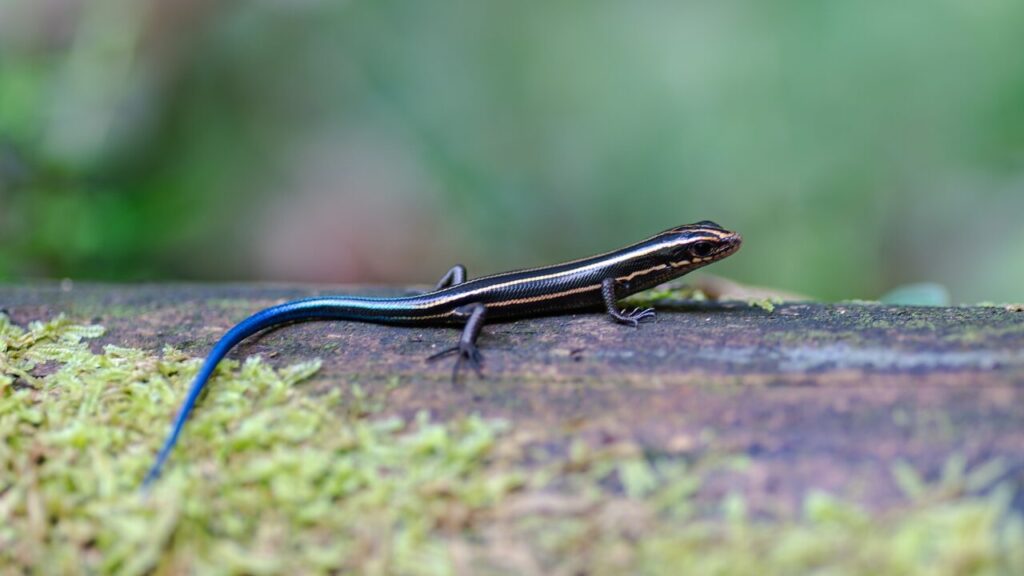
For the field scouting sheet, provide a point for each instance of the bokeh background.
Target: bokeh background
(857, 145)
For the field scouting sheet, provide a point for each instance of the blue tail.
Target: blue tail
(307, 309)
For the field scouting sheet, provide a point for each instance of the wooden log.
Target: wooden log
(818, 396)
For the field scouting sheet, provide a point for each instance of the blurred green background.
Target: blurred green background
(856, 145)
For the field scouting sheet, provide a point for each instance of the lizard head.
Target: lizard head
(675, 252)
(694, 245)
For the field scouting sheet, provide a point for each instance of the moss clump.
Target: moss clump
(656, 296)
(271, 479)
(266, 478)
(766, 304)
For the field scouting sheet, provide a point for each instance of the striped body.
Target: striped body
(585, 283)
(522, 293)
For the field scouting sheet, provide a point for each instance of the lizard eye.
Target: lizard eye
(702, 249)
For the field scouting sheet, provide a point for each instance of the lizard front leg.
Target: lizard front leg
(611, 303)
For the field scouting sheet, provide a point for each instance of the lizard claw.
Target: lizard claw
(467, 353)
(637, 315)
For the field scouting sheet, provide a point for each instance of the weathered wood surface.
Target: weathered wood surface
(817, 396)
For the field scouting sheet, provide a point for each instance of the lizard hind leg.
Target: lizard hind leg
(455, 275)
(466, 350)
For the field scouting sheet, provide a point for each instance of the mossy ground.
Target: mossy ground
(272, 478)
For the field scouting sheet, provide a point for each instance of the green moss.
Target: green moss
(657, 296)
(1009, 307)
(980, 334)
(918, 324)
(271, 478)
(766, 304)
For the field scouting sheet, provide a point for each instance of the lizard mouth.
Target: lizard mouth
(732, 244)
